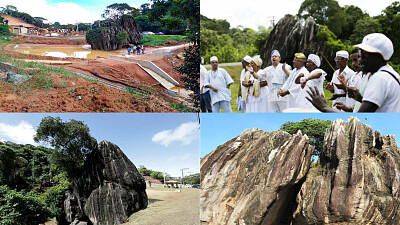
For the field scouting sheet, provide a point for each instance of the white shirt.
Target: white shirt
(383, 90)
(242, 79)
(219, 79)
(276, 78)
(363, 86)
(317, 82)
(203, 74)
(292, 87)
(354, 81)
(347, 72)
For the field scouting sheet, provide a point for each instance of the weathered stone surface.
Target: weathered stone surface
(124, 24)
(291, 35)
(357, 180)
(253, 178)
(109, 190)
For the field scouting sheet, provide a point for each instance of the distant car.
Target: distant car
(196, 186)
(147, 33)
(159, 33)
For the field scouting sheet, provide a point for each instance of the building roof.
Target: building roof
(12, 21)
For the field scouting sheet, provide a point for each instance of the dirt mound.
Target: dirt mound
(169, 43)
(47, 40)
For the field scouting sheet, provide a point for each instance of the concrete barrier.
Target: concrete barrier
(149, 65)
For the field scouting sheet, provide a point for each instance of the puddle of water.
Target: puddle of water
(61, 52)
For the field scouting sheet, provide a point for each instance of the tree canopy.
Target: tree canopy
(313, 128)
(71, 140)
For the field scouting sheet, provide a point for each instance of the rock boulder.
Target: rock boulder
(109, 190)
(253, 178)
(356, 181)
(292, 35)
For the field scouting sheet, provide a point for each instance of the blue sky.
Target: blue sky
(216, 129)
(67, 11)
(161, 142)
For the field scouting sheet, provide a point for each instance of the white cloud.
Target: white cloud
(21, 134)
(62, 12)
(186, 133)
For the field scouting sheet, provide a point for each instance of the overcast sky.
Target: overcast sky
(159, 141)
(67, 11)
(216, 129)
(254, 13)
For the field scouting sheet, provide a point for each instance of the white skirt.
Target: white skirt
(259, 104)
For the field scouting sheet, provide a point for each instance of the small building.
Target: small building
(171, 184)
(18, 26)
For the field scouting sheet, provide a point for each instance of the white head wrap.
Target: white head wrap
(214, 58)
(257, 60)
(247, 59)
(316, 60)
(275, 52)
(343, 54)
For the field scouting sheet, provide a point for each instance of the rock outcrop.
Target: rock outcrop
(109, 190)
(357, 180)
(124, 24)
(264, 178)
(291, 35)
(253, 178)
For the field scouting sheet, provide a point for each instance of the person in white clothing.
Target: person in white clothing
(335, 86)
(315, 78)
(245, 63)
(255, 94)
(382, 93)
(277, 74)
(218, 80)
(290, 87)
(205, 100)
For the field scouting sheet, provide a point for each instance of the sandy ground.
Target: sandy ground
(95, 97)
(168, 207)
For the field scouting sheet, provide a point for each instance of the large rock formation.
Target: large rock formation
(254, 178)
(124, 24)
(109, 190)
(291, 35)
(357, 180)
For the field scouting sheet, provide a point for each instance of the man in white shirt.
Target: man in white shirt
(205, 100)
(341, 63)
(218, 80)
(382, 93)
(290, 87)
(277, 74)
(245, 63)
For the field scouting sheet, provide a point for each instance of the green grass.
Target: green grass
(159, 39)
(235, 71)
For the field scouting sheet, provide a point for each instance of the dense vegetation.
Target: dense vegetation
(342, 27)
(33, 179)
(229, 45)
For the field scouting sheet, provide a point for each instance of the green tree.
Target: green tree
(121, 37)
(144, 171)
(363, 27)
(352, 15)
(313, 128)
(116, 10)
(144, 8)
(71, 140)
(20, 208)
(390, 21)
(157, 175)
(54, 196)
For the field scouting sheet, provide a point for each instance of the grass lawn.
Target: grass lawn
(235, 71)
(159, 39)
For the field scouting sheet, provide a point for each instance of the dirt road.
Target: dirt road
(167, 207)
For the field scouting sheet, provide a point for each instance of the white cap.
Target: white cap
(247, 59)
(214, 58)
(343, 54)
(377, 43)
(316, 60)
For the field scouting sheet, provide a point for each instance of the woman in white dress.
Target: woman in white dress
(256, 90)
(315, 78)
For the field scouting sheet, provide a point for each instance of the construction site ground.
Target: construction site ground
(75, 94)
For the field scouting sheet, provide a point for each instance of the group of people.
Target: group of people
(136, 49)
(373, 86)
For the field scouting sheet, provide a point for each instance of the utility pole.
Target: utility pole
(272, 21)
(182, 183)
